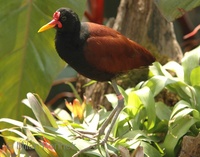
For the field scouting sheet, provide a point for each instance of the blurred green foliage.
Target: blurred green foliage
(172, 10)
(28, 60)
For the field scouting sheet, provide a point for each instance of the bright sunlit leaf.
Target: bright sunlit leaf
(157, 69)
(175, 67)
(156, 84)
(134, 104)
(189, 62)
(148, 101)
(40, 111)
(195, 76)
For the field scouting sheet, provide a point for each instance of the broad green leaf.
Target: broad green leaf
(134, 104)
(40, 111)
(11, 121)
(157, 69)
(138, 137)
(163, 112)
(135, 134)
(16, 123)
(181, 114)
(17, 132)
(147, 100)
(173, 9)
(62, 114)
(161, 126)
(29, 62)
(150, 151)
(112, 98)
(181, 88)
(189, 62)
(197, 97)
(181, 105)
(175, 67)
(195, 76)
(33, 121)
(121, 125)
(176, 132)
(156, 84)
(180, 122)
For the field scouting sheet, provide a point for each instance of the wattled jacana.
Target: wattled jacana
(97, 52)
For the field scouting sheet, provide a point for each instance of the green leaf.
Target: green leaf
(112, 98)
(40, 111)
(157, 69)
(156, 84)
(17, 132)
(11, 121)
(175, 67)
(150, 151)
(180, 122)
(195, 76)
(29, 62)
(61, 144)
(15, 123)
(135, 134)
(189, 62)
(181, 105)
(121, 125)
(134, 104)
(17, 140)
(138, 137)
(163, 112)
(181, 88)
(147, 100)
(174, 9)
(179, 129)
(197, 97)
(41, 150)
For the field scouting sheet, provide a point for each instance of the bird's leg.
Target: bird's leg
(114, 114)
(111, 119)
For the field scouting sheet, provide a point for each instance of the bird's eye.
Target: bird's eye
(64, 18)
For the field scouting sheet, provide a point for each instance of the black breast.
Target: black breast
(70, 49)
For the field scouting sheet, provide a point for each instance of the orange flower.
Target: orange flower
(76, 108)
(48, 146)
(5, 152)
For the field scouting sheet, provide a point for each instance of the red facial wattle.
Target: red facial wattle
(55, 20)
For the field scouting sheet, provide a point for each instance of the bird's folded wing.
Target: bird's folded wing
(109, 51)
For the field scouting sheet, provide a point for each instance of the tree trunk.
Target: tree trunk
(140, 21)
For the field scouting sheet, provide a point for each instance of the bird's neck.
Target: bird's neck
(70, 44)
(69, 35)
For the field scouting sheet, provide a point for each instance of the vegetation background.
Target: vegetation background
(29, 63)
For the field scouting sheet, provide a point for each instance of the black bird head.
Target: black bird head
(64, 20)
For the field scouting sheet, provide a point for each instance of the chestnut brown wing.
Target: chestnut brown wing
(109, 51)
